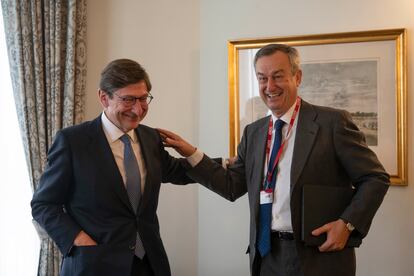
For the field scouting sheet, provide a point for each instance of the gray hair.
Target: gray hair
(270, 49)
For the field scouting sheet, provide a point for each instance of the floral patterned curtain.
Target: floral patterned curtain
(46, 41)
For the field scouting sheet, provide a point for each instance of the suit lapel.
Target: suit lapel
(259, 143)
(106, 162)
(306, 132)
(148, 160)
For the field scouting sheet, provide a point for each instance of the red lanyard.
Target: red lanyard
(269, 173)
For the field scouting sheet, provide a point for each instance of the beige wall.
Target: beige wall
(182, 44)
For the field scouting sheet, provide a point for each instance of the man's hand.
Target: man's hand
(83, 239)
(174, 141)
(337, 235)
(231, 160)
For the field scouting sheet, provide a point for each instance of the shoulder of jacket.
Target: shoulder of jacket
(258, 123)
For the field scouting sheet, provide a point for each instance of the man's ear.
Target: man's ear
(298, 77)
(103, 98)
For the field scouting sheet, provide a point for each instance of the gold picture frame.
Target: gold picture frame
(392, 73)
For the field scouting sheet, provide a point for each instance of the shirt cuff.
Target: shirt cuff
(195, 158)
(224, 163)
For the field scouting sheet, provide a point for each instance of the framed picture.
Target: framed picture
(364, 73)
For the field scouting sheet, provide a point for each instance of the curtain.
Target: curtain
(46, 42)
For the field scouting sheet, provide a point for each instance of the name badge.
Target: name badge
(266, 196)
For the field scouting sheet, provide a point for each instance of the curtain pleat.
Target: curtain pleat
(46, 41)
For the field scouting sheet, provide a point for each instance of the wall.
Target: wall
(164, 37)
(388, 248)
(182, 44)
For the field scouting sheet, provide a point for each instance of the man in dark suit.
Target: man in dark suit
(98, 196)
(316, 146)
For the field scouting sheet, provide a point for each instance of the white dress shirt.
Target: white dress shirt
(281, 215)
(113, 133)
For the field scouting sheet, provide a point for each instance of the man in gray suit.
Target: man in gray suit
(300, 144)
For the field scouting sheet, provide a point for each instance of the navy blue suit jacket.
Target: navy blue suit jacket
(82, 189)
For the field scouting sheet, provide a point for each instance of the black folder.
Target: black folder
(321, 205)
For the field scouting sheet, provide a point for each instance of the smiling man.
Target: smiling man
(278, 81)
(98, 196)
(298, 146)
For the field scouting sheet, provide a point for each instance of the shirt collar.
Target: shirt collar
(113, 133)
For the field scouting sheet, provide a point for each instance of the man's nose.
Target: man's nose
(271, 84)
(137, 107)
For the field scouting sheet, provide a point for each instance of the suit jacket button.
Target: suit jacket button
(132, 247)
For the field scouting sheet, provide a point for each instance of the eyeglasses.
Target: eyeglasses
(131, 100)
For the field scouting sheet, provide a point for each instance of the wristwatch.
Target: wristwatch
(349, 226)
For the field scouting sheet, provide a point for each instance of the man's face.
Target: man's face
(277, 85)
(125, 116)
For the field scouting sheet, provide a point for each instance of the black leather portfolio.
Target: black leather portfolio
(321, 205)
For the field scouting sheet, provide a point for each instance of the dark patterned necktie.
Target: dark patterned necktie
(265, 214)
(133, 185)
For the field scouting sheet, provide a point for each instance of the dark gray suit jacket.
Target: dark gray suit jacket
(82, 189)
(329, 150)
